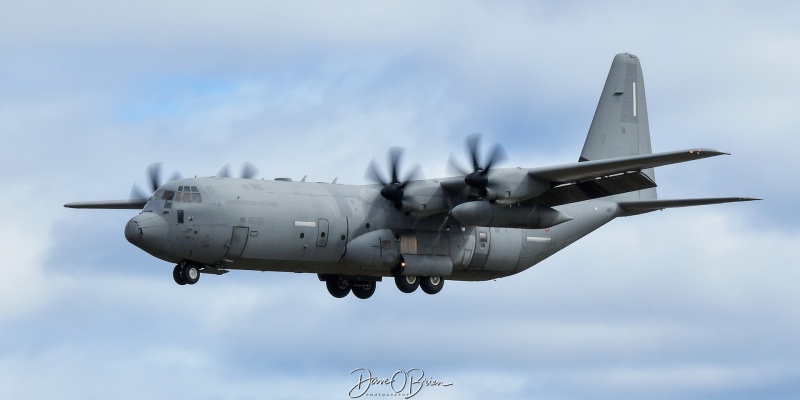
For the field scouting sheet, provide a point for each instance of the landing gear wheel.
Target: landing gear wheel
(364, 291)
(176, 274)
(337, 288)
(407, 284)
(432, 284)
(190, 273)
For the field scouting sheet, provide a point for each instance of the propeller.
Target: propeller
(248, 171)
(394, 189)
(154, 179)
(478, 178)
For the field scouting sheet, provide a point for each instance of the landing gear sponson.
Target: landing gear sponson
(340, 286)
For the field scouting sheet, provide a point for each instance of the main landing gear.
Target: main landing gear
(432, 284)
(186, 273)
(340, 286)
(429, 284)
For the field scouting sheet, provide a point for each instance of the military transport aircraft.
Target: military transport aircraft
(483, 224)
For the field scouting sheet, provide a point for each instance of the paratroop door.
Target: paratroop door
(238, 242)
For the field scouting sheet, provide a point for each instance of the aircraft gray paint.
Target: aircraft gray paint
(483, 224)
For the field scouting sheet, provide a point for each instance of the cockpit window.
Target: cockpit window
(188, 194)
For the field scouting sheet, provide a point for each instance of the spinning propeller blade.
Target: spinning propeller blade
(478, 178)
(394, 189)
(154, 181)
(248, 171)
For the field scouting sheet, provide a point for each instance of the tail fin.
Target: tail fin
(620, 127)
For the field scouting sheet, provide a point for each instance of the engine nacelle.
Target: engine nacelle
(482, 213)
(488, 194)
(424, 199)
(513, 185)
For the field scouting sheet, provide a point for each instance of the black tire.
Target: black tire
(190, 273)
(176, 274)
(432, 284)
(364, 291)
(337, 288)
(407, 284)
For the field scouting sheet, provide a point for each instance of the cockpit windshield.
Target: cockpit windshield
(184, 194)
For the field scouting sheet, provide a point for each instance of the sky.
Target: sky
(697, 303)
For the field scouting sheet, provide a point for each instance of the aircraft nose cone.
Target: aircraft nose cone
(148, 231)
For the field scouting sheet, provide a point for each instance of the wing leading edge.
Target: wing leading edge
(569, 173)
(133, 204)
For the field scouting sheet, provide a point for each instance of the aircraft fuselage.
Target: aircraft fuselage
(334, 229)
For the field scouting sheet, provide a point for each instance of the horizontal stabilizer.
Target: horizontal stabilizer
(134, 204)
(629, 208)
(574, 172)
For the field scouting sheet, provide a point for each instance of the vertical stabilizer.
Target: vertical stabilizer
(620, 127)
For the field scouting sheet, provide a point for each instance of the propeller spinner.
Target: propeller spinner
(394, 189)
(479, 177)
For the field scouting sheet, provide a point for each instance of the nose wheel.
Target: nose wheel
(176, 274)
(186, 273)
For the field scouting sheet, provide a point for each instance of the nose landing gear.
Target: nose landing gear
(186, 273)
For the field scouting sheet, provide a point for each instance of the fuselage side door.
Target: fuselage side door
(238, 243)
(484, 240)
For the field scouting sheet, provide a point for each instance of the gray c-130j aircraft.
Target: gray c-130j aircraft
(483, 224)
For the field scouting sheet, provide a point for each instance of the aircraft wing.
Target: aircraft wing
(643, 206)
(133, 204)
(568, 173)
